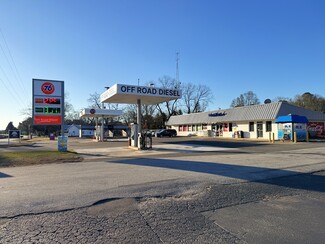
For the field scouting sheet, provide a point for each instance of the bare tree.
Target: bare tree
(188, 91)
(169, 108)
(202, 98)
(196, 98)
(94, 100)
(246, 99)
(130, 113)
(238, 102)
(148, 112)
(27, 112)
(69, 112)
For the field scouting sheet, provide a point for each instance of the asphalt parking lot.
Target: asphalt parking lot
(244, 145)
(184, 190)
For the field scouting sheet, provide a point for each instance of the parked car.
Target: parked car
(166, 132)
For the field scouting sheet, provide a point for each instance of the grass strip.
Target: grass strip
(25, 158)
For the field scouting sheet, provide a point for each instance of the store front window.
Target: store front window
(251, 126)
(268, 126)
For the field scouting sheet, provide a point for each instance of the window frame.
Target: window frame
(251, 126)
(268, 126)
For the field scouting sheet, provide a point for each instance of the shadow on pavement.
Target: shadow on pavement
(211, 143)
(250, 173)
(3, 175)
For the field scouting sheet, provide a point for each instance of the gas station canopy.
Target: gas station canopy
(129, 94)
(91, 112)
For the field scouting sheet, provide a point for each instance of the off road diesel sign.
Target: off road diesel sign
(145, 93)
(143, 90)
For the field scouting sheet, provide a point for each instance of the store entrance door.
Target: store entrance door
(259, 129)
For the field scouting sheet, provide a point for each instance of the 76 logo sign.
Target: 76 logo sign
(47, 88)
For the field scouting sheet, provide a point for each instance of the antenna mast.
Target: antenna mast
(177, 71)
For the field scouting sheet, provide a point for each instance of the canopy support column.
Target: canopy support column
(96, 131)
(139, 115)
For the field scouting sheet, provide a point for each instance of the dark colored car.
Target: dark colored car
(166, 132)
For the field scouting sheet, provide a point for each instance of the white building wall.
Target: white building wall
(73, 131)
(275, 131)
(237, 126)
(87, 133)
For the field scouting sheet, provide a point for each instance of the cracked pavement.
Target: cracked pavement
(187, 218)
(186, 203)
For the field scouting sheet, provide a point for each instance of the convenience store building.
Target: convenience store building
(255, 121)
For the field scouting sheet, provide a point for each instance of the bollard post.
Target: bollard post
(307, 136)
(273, 137)
(140, 141)
(295, 137)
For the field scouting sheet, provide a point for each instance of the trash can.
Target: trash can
(52, 137)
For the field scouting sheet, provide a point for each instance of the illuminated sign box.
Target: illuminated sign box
(47, 120)
(47, 102)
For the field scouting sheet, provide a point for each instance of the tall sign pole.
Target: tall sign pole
(63, 111)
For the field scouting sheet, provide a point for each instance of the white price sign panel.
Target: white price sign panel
(48, 102)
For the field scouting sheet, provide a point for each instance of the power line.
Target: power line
(11, 65)
(14, 95)
(13, 61)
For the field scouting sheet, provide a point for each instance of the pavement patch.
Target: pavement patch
(278, 220)
(113, 207)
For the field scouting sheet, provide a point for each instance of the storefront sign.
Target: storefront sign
(14, 134)
(217, 114)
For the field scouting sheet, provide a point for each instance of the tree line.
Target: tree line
(306, 100)
(196, 98)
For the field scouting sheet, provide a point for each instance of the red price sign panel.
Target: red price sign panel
(47, 88)
(47, 120)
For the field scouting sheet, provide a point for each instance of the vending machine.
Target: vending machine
(134, 135)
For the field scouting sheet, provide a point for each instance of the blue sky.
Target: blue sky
(274, 48)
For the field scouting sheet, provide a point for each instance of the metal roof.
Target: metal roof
(259, 112)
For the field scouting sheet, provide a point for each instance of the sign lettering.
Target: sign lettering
(142, 90)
